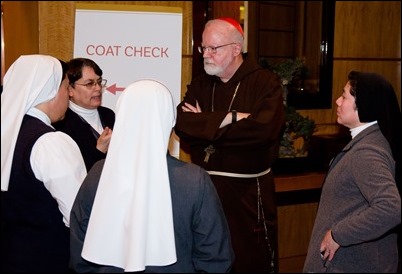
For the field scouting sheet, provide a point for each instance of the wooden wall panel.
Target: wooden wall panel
(276, 30)
(367, 38)
(226, 9)
(20, 36)
(271, 15)
(295, 223)
(368, 45)
(56, 25)
(368, 29)
(294, 238)
(267, 46)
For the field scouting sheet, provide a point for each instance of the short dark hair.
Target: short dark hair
(76, 65)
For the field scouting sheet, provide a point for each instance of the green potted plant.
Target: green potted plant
(298, 129)
(288, 71)
(297, 134)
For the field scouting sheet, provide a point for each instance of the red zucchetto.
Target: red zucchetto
(234, 23)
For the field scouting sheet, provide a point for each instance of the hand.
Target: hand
(328, 247)
(103, 141)
(190, 108)
(242, 115)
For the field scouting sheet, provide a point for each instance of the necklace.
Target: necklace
(209, 150)
(231, 102)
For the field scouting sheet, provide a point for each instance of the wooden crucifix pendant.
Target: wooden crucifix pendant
(209, 150)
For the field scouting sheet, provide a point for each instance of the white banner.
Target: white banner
(131, 43)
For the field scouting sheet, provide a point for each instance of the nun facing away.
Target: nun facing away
(142, 209)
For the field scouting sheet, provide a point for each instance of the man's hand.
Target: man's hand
(190, 108)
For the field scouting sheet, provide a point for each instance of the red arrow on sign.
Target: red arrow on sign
(113, 89)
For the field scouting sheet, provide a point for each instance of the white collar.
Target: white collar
(357, 130)
(37, 113)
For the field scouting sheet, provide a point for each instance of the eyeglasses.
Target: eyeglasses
(212, 50)
(101, 82)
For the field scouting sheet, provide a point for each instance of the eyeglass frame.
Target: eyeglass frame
(100, 82)
(212, 50)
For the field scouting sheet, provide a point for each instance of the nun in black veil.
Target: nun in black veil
(359, 212)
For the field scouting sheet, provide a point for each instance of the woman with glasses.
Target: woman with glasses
(86, 121)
